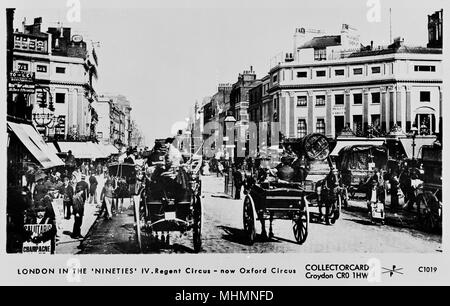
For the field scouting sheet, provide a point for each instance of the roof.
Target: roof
(392, 50)
(83, 150)
(322, 42)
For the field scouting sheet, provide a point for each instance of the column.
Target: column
(365, 108)
(384, 118)
(282, 115)
(439, 125)
(347, 106)
(291, 115)
(71, 116)
(328, 119)
(310, 126)
(408, 109)
(398, 104)
(392, 107)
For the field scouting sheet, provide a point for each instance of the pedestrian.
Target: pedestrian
(106, 198)
(395, 190)
(78, 212)
(93, 188)
(219, 169)
(70, 163)
(84, 186)
(67, 192)
(40, 190)
(238, 181)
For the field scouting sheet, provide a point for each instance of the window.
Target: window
(22, 67)
(320, 54)
(357, 124)
(41, 68)
(321, 73)
(60, 70)
(275, 78)
(357, 71)
(60, 97)
(302, 101)
(339, 72)
(423, 68)
(376, 97)
(320, 100)
(301, 128)
(376, 121)
(357, 98)
(320, 126)
(302, 74)
(339, 99)
(425, 96)
(376, 70)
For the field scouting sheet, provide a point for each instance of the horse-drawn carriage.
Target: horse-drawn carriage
(428, 193)
(164, 201)
(270, 200)
(357, 164)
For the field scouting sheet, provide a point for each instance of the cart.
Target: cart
(166, 206)
(357, 164)
(269, 201)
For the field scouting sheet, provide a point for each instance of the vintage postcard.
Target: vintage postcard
(224, 143)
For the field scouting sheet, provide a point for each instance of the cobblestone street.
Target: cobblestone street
(222, 233)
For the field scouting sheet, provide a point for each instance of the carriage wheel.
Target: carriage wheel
(428, 207)
(301, 224)
(249, 220)
(197, 226)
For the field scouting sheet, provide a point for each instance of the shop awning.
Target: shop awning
(420, 141)
(345, 143)
(109, 149)
(82, 150)
(33, 141)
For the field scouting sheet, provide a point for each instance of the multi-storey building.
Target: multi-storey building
(54, 63)
(329, 86)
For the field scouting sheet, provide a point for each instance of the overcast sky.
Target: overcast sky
(165, 55)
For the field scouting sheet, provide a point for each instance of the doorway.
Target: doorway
(339, 124)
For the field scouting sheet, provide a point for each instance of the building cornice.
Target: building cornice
(349, 84)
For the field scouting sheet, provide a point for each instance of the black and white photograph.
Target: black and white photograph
(207, 127)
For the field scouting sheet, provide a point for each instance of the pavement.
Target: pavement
(64, 243)
(223, 232)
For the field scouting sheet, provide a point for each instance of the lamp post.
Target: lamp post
(414, 134)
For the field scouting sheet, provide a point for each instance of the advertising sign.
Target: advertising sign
(37, 248)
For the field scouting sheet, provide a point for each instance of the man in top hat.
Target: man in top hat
(41, 215)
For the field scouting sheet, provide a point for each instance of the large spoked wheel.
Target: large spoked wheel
(429, 211)
(301, 223)
(197, 224)
(249, 220)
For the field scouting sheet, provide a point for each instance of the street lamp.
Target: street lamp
(414, 131)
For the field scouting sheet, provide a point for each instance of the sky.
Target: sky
(166, 55)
